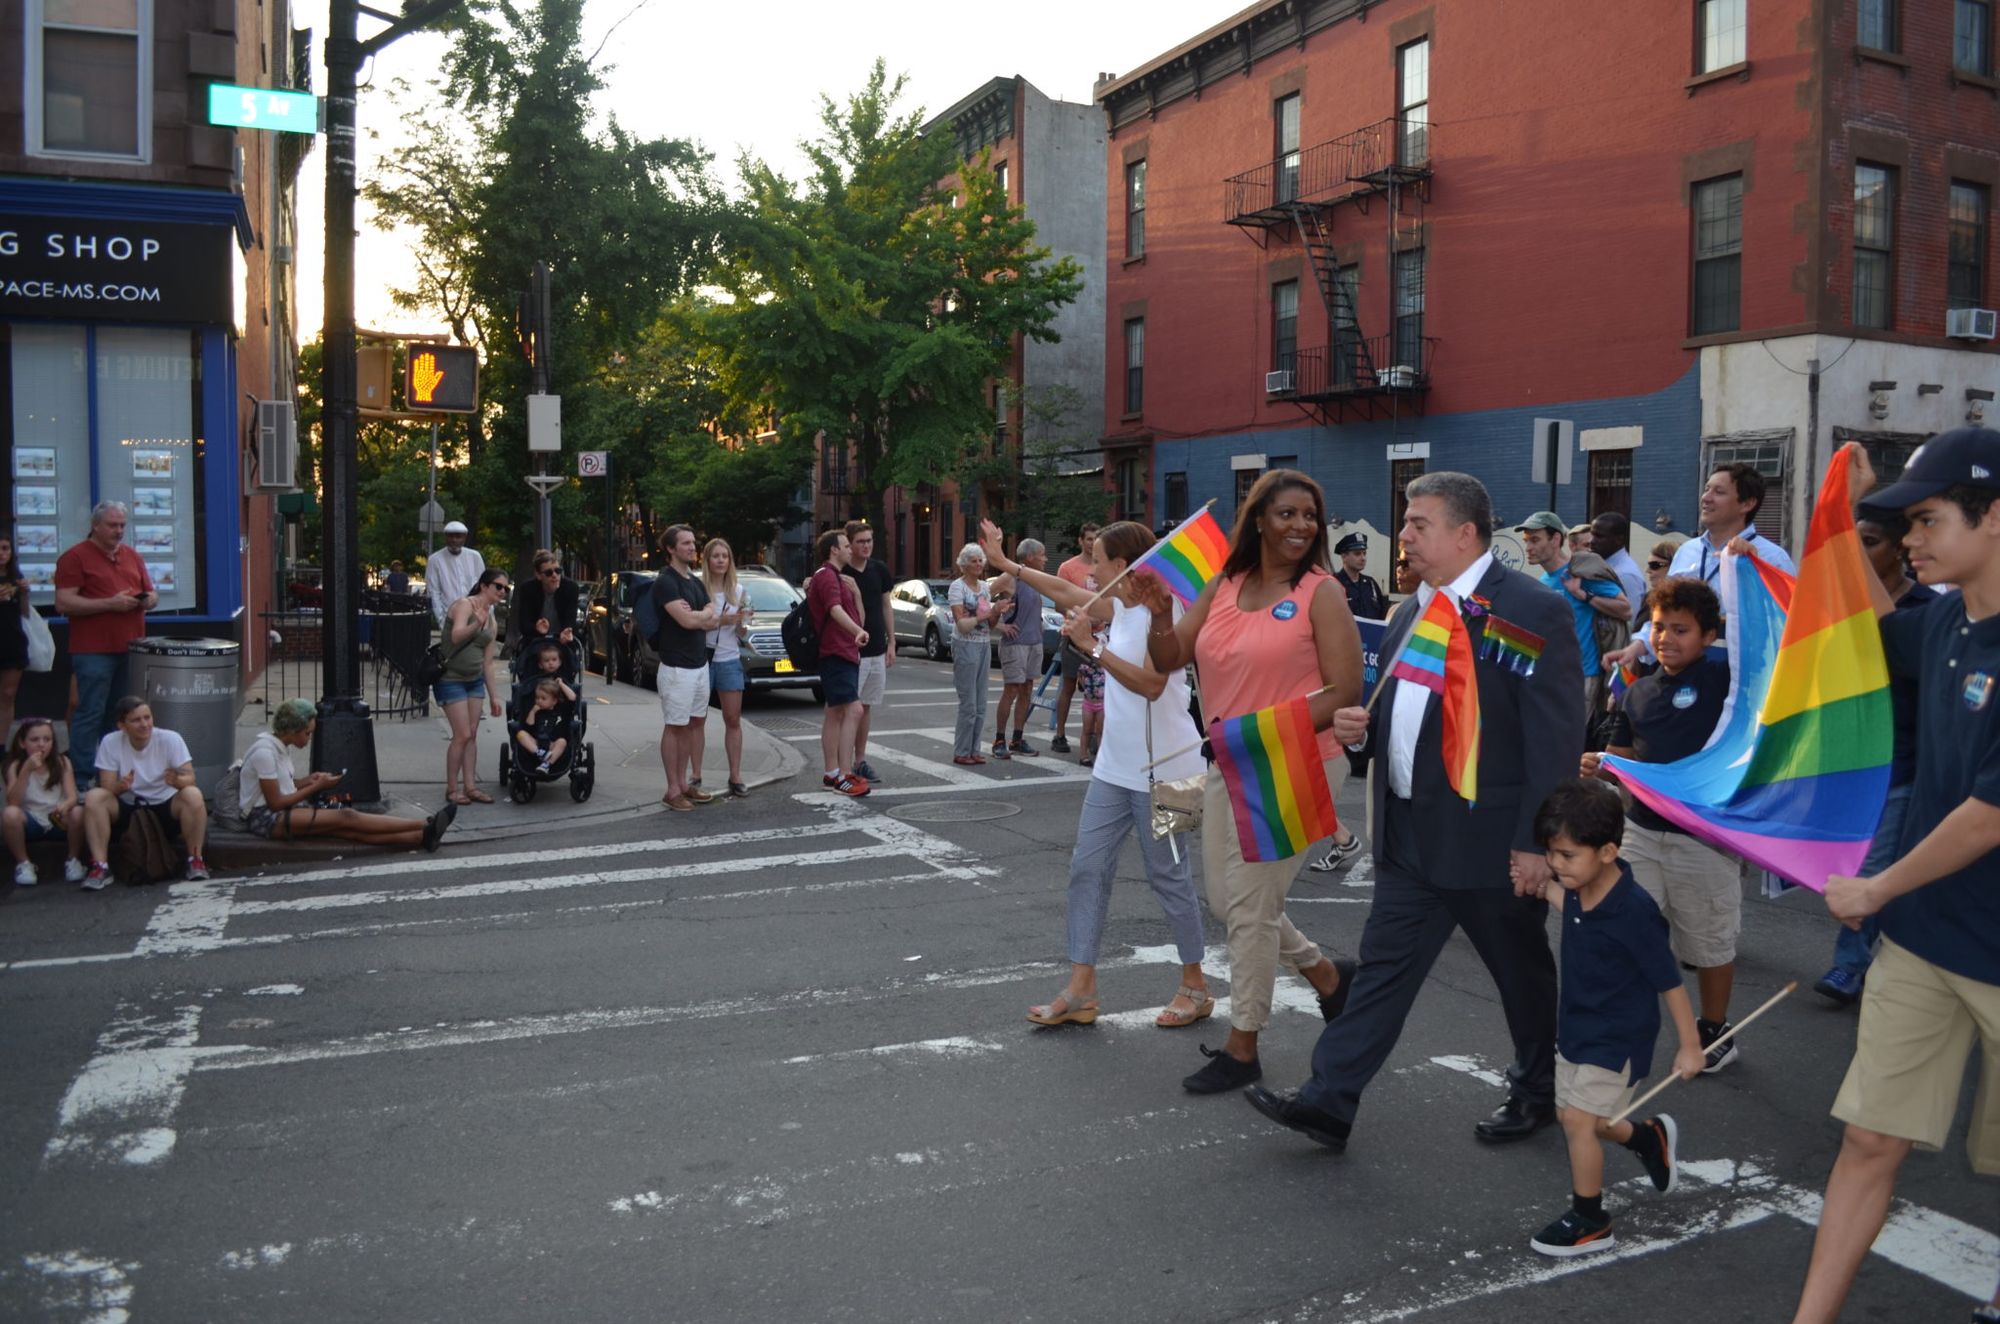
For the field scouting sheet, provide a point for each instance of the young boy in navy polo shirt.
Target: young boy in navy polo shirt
(1934, 988)
(1616, 966)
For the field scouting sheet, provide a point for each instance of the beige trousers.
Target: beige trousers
(1249, 899)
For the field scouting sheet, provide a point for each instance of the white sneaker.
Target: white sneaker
(25, 875)
(73, 871)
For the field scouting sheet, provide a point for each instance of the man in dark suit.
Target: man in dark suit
(1441, 864)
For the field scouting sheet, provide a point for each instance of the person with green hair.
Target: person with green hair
(276, 806)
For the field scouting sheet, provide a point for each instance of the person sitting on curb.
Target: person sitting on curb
(276, 806)
(142, 769)
(41, 800)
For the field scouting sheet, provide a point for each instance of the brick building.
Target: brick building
(1049, 155)
(146, 299)
(1372, 237)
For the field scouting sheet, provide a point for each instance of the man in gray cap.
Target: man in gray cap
(1592, 591)
(451, 573)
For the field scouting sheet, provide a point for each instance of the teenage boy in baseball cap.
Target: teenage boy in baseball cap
(1934, 987)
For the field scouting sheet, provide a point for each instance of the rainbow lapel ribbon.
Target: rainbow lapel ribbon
(1190, 556)
(1270, 761)
(1438, 656)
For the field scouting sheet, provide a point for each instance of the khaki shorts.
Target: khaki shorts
(1020, 663)
(1592, 1089)
(1696, 887)
(1917, 1026)
(874, 680)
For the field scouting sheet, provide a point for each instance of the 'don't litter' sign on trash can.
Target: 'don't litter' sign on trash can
(193, 687)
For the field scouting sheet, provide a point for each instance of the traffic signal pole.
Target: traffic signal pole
(345, 738)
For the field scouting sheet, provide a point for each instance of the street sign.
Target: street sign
(431, 518)
(593, 464)
(442, 379)
(1554, 437)
(262, 108)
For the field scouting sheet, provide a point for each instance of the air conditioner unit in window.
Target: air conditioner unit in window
(1972, 324)
(1278, 383)
(1400, 377)
(277, 446)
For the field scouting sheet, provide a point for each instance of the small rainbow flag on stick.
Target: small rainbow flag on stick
(1270, 761)
(1438, 656)
(1190, 556)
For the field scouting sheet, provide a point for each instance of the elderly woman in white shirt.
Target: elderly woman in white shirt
(275, 805)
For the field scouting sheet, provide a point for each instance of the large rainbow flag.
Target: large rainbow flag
(1438, 656)
(1270, 761)
(1795, 775)
(1190, 556)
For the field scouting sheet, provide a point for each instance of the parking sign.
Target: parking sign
(593, 464)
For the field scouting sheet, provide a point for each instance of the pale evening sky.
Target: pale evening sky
(750, 79)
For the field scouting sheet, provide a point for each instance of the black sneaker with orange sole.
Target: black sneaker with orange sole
(1574, 1234)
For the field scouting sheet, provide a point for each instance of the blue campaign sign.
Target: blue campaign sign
(1371, 653)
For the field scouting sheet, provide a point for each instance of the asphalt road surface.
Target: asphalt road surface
(768, 1062)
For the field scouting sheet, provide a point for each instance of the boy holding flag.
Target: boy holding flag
(1935, 985)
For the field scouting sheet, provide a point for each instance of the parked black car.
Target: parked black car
(616, 649)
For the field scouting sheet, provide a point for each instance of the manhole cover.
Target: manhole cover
(954, 811)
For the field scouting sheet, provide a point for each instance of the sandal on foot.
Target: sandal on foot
(478, 796)
(1065, 1011)
(459, 798)
(1204, 1007)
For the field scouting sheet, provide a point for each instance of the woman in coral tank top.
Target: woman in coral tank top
(1272, 626)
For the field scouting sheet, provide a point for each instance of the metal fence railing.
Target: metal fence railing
(395, 631)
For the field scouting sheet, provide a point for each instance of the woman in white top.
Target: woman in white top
(971, 609)
(725, 661)
(41, 800)
(1119, 800)
(142, 769)
(274, 805)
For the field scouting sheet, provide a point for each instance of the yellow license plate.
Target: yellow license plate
(784, 666)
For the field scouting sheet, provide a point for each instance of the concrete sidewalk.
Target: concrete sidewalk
(624, 726)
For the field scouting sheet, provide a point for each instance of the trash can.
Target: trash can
(192, 687)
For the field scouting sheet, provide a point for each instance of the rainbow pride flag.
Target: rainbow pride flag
(1270, 761)
(1190, 556)
(1795, 775)
(1438, 656)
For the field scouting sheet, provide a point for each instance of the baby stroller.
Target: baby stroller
(521, 773)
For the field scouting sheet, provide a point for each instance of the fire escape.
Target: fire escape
(1386, 164)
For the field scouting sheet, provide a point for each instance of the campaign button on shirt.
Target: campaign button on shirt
(1285, 610)
(1685, 697)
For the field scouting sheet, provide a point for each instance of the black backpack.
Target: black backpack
(801, 640)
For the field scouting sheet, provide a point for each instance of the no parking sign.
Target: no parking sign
(593, 464)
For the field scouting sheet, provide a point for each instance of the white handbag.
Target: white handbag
(41, 644)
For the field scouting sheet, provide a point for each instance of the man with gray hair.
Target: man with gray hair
(102, 588)
(1442, 862)
(1020, 608)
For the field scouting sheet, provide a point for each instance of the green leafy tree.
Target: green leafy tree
(625, 224)
(865, 305)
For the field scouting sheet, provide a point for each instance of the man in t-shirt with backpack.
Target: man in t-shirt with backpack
(686, 616)
(835, 610)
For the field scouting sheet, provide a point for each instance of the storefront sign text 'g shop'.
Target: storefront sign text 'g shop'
(114, 271)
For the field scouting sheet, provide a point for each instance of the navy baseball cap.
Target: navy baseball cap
(1968, 457)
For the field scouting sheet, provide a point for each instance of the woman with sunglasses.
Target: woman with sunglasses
(1660, 559)
(545, 606)
(468, 664)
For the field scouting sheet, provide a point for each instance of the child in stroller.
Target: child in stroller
(546, 724)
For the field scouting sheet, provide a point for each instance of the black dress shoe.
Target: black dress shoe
(1332, 1004)
(1516, 1119)
(1223, 1072)
(1286, 1109)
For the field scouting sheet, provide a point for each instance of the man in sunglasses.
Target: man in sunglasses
(544, 605)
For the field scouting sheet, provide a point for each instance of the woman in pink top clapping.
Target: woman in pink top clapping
(1271, 627)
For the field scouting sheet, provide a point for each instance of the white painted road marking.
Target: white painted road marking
(120, 1108)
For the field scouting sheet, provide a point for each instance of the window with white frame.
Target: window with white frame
(89, 70)
(1721, 34)
(1413, 103)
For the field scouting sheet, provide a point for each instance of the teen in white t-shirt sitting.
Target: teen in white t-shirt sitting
(274, 805)
(142, 769)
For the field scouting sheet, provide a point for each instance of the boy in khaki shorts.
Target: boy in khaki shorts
(1668, 716)
(1616, 966)
(1934, 988)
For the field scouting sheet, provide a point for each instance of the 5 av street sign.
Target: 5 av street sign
(262, 108)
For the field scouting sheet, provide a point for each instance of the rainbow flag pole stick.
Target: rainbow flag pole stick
(1129, 568)
(1670, 1077)
(1189, 749)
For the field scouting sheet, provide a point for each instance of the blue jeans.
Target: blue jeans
(1109, 813)
(100, 683)
(1853, 950)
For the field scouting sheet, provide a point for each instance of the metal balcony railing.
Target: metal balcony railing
(1397, 149)
(1361, 365)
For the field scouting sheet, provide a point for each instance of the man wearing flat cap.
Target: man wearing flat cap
(1364, 595)
(452, 571)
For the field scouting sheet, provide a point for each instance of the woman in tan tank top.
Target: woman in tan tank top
(1271, 627)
